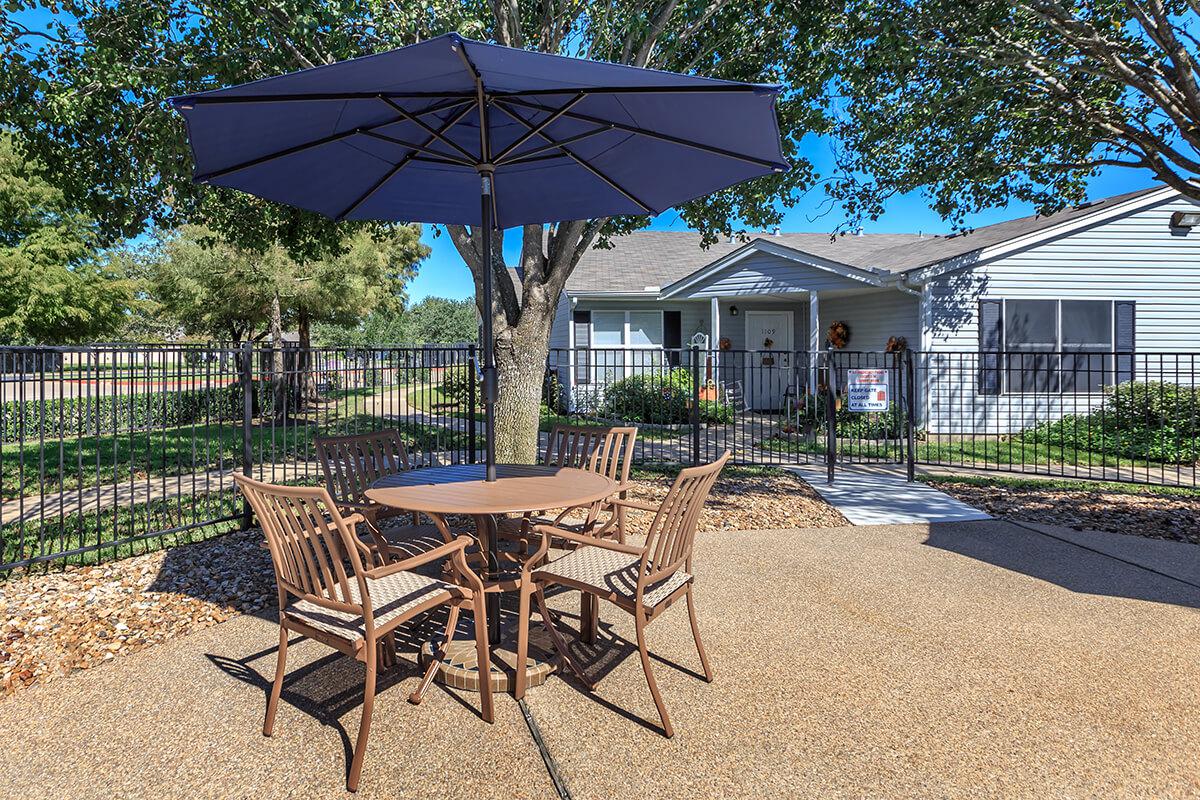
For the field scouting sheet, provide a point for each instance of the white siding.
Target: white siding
(560, 338)
(765, 273)
(1136, 257)
(873, 317)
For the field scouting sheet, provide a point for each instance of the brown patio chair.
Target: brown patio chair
(606, 450)
(326, 593)
(643, 580)
(351, 464)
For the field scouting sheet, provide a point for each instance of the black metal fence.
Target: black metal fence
(106, 451)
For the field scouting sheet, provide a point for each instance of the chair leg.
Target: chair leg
(364, 727)
(708, 673)
(640, 624)
(277, 687)
(522, 640)
(483, 657)
(435, 659)
(559, 643)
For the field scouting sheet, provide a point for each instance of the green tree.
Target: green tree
(436, 320)
(56, 286)
(980, 102)
(203, 286)
(92, 100)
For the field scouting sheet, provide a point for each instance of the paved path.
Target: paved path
(954, 660)
(883, 497)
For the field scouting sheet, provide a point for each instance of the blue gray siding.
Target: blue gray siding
(765, 273)
(1135, 257)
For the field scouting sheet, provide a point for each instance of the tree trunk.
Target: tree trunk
(308, 386)
(521, 363)
(278, 380)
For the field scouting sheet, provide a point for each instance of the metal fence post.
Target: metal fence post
(695, 406)
(247, 358)
(471, 422)
(830, 416)
(910, 402)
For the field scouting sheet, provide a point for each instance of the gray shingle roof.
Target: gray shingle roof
(659, 258)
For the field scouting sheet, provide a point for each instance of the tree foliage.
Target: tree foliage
(56, 286)
(91, 95)
(203, 285)
(980, 102)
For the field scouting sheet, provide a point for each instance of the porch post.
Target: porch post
(814, 338)
(714, 343)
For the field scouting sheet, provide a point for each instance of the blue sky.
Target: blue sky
(444, 274)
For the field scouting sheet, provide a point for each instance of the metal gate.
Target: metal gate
(769, 407)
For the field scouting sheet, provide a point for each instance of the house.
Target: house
(1014, 323)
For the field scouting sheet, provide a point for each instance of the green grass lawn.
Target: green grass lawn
(1062, 484)
(80, 462)
(965, 452)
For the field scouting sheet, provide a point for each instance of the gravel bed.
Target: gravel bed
(53, 624)
(1174, 518)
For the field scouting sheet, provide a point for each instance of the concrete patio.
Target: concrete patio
(951, 660)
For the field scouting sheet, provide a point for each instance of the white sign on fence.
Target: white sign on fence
(867, 389)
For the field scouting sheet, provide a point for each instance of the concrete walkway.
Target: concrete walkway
(975, 659)
(867, 496)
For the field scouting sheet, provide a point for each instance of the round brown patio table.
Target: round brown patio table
(461, 489)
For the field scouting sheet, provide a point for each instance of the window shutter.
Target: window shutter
(672, 335)
(991, 341)
(582, 320)
(1124, 314)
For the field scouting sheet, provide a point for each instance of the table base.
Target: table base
(459, 668)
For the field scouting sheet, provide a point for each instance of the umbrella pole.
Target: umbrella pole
(489, 393)
(489, 355)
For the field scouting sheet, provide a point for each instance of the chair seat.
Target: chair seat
(391, 597)
(611, 573)
(407, 540)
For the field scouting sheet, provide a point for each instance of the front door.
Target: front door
(769, 371)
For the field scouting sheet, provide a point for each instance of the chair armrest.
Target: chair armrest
(459, 545)
(549, 531)
(638, 504)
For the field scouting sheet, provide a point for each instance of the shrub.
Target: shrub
(715, 412)
(554, 395)
(659, 398)
(457, 384)
(1138, 421)
(73, 416)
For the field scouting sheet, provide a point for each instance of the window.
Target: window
(627, 342)
(1029, 346)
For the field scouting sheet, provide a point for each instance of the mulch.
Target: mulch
(53, 624)
(1153, 516)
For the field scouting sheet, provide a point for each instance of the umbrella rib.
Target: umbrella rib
(300, 148)
(773, 165)
(695, 89)
(578, 160)
(216, 100)
(529, 134)
(401, 164)
(210, 100)
(532, 155)
(430, 130)
(383, 137)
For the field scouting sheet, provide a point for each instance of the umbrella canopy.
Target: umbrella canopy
(403, 135)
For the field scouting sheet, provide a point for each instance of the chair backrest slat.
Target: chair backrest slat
(673, 530)
(607, 451)
(352, 463)
(311, 545)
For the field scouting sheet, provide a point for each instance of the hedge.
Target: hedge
(1139, 421)
(83, 416)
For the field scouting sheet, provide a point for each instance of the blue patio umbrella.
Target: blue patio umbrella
(455, 131)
